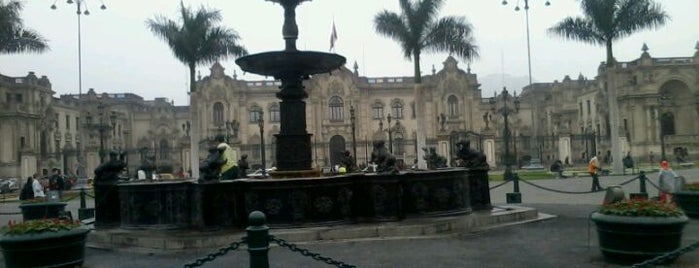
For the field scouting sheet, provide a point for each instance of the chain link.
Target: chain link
(305, 252)
(667, 257)
(501, 184)
(219, 253)
(557, 191)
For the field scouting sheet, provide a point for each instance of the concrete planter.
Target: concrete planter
(689, 202)
(634, 239)
(43, 210)
(48, 249)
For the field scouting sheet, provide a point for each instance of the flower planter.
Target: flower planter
(43, 210)
(48, 249)
(632, 239)
(689, 202)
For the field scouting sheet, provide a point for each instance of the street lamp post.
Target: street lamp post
(526, 15)
(663, 100)
(261, 124)
(504, 105)
(353, 121)
(390, 135)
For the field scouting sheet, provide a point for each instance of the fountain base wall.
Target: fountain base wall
(295, 202)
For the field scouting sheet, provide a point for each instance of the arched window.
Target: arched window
(397, 109)
(255, 113)
(377, 110)
(336, 107)
(398, 144)
(453, 104)
(274, 113)
(218, 114)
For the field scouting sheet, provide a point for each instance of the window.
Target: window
(398, 144)
(255, 114)
(581, 109)
(274, 113)
(218, 114)
(397, 109)
(18, 98)
(256, 153)
(412, 108)
(377, 111)
(164, 149)
(55, 117)
(8, 97)
(77, 121)
(453, 106)
(22, 142)
(588, 107)
(336, 107)
(67, 122)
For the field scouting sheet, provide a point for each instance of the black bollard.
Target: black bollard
(642, 194)
(258, 240)
(516, 197)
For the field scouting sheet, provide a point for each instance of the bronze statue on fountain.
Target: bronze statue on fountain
(434, 161)
(385, 162)
(110, 171)
(469, 158)
(210, 168)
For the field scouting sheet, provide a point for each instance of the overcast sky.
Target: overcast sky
(121, 55)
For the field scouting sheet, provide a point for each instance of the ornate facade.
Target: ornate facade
(566, 120)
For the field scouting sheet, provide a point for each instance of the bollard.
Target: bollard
(82, 198)
(642, 178)
(258, 240)
(642, 194)
(83, 211)
(516, 197)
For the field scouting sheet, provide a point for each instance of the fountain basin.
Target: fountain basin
(300, 202)
(280, 63)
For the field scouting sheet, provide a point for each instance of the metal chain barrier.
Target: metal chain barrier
(558, 191)
(501, 184)
(212, 256)
(653, 184)
(667, 257)
(630, 180)
(307, 253)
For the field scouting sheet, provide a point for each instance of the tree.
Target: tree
(14, 38)
(197, 40)
(604, 22)
(418, 29)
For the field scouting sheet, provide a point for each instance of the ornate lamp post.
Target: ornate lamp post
(261, 124)
(354, 138)
(526, 15)
(663, 100)
(390, 135)
(506, 105)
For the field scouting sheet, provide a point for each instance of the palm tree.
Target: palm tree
(418, 29)
(606, 21)
(197, 40)
(14, 38)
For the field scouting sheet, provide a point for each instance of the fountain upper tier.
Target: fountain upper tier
(290, 61)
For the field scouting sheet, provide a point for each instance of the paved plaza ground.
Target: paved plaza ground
(566, 240)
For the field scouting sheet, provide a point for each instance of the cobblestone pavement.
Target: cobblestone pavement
(567, 240)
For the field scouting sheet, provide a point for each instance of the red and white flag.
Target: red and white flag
(333, 38)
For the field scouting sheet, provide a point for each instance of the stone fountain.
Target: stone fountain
(295, 196)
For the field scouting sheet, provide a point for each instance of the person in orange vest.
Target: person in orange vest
(593, 168)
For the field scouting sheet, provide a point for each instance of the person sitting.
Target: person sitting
(557, 167)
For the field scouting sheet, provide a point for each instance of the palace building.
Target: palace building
(567, 120)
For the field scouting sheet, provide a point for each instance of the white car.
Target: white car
(258, 173)
(534, 164)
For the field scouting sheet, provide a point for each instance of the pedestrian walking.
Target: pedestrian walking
(593, 168)
(668, 181)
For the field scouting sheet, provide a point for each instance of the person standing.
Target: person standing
(669, 182)
(229, 170)
(593, 168)
(27, 190)
(56, 182)
(38, 189)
